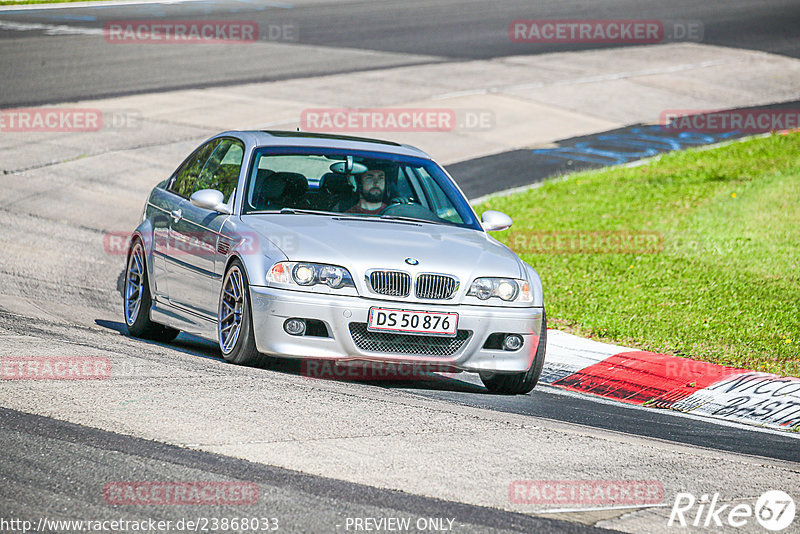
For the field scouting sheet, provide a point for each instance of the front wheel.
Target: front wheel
(137, 300)
(519, 383)
(234, 322)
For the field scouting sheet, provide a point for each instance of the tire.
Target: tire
(136, 299)
(519, 383)
(235, 320)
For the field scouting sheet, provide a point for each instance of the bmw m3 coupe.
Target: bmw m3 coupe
(297, 245)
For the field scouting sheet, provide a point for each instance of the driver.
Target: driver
(371, 191)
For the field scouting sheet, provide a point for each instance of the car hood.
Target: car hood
(362, 243)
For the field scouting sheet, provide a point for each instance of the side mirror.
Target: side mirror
(210, 199)
(494, 221)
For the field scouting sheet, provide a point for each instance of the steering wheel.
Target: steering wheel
(395, 201)
(415, 211)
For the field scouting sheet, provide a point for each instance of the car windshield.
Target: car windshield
(354, 183)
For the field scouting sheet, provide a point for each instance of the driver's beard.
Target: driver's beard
(373, 195)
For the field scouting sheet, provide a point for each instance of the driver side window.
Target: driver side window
(221, 171)
(183, 183)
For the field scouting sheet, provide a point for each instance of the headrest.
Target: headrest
(268, 185)
(335, 184)
(296, 184)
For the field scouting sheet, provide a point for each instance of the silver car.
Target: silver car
(334, 248)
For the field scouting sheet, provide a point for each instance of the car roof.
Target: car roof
(323, 140)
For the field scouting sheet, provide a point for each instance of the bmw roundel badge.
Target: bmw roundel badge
(412, 261)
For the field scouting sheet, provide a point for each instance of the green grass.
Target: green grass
(725, 287)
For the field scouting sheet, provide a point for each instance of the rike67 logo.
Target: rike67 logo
(774, 511)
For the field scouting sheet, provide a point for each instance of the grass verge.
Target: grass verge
(718, 277)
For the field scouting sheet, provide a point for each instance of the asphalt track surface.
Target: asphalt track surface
(554, 404)
(38, 69)
(62, 464)
(55, 460)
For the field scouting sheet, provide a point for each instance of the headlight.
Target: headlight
(310, 274)
(304, 274)
(507, 289)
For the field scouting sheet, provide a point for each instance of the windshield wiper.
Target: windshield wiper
(410, 219)
(295, 210)
(307, 212)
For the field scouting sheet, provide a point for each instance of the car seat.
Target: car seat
(337, 192)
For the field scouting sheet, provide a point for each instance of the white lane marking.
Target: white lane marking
(600, 508)
(67, 5)
(593, 79)
(624, 75)
(49, 29)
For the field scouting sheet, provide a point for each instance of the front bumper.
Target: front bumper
(271, 307)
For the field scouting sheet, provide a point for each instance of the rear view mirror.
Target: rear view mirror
(494, 221)
(210, 199)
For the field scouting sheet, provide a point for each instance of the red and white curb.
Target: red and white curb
(663, 381)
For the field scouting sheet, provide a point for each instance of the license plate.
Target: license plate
(412, 322)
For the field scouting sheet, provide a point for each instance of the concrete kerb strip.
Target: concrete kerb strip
(671, 382)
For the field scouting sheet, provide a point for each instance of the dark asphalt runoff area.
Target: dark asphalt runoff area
(521, 168)
(52, 63)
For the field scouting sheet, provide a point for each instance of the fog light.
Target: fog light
(295, 327)
(512, 342)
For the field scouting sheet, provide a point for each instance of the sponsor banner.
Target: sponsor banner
(761, 398)
(55, 368)
(586, 492)
(51, 120)
(153, 493)
(161, 31)
(585, 242)
(735, 120)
